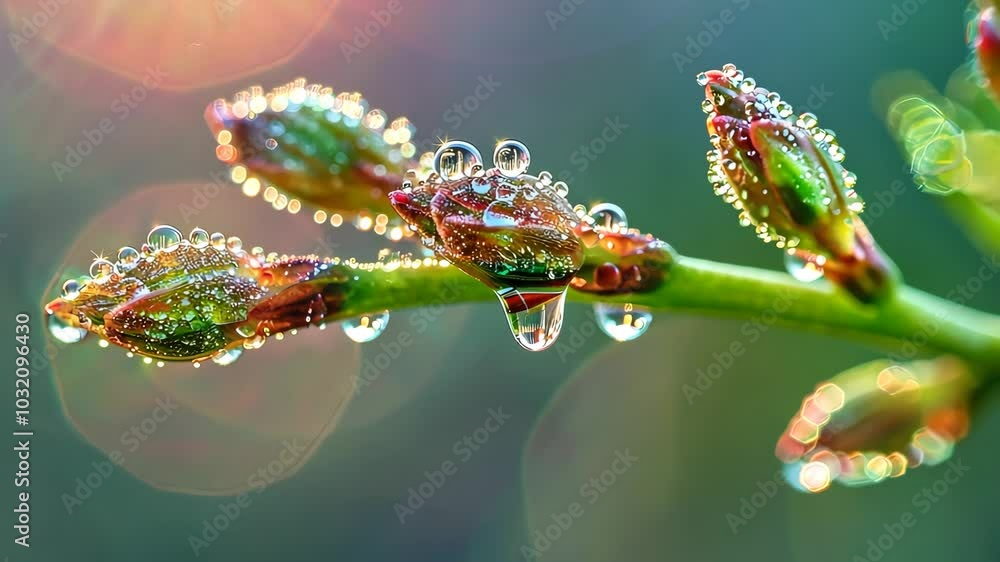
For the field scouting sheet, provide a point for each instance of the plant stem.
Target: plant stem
(979, 222)
(908, 323)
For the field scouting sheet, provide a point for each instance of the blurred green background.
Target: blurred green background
(559, 78)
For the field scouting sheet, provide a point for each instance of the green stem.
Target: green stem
(980, 223)
(908, 323)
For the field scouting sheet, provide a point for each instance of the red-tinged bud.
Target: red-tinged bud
(785, 176)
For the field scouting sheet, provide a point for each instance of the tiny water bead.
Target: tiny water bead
(199, 237)
(608, 216)
(366, 328)
(218, 240)
(163, 237)
(101, 268)
(227, 356)
(71, 289)
(499, 214)
(622, 322)
(511, 157)
(456, 160)
(127, 258)
(535, 317)
(802, 270)
(65, 330)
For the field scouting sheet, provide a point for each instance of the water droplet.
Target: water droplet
(512, 158)
(622, 322)
(234, 244)
(562, 189)
(535, 316)
(65, 330)
(71, 289)
(456, 160)
(707, 106)
(609, 216)
(748, 85)
(218, 240)
(127, 258)
(199, 237)
(270, 144)
(163, 237)
(808, 121)
(102, 268)
(375, 119)
(702, 79)
(366, 328)
(227, 356)
(804, 271)
(499, 214)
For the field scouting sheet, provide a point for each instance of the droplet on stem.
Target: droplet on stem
(622, 322)
(367, 327)
(802, 270)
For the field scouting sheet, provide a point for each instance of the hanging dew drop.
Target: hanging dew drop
(199, 237)
(456, 160)
(609, 216)
(622, 322)
(217, 240)
(804, 271)
(535, 317)
(234, 244)
(227, 356)
(366, 328)
(65, 330)
(512, 158)
(163, 237)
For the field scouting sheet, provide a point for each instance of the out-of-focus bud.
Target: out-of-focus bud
(784, 175)
(986, 42)
(303, 144)
(876, 421)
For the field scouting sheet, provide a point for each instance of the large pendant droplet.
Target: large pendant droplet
(535, 316)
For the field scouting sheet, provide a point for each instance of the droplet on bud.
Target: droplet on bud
(199, 237)
(512, 158)
(535, 316)
(802, 270)
(622, 322)
(163, 237)
(71, 289)
(218, 240)
(499, 214)
(127, 258)
(609, 216)
(456, 160)
(366, 328)
(227, 356)
(234, 244)
(65, 330)
(102, 269)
